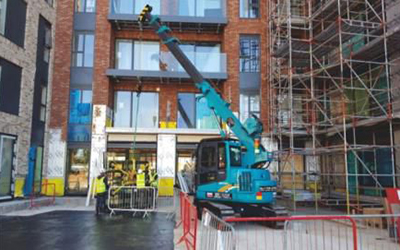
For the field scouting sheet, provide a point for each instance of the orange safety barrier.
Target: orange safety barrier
(188, 221)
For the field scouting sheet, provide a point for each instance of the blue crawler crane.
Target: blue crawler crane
(231, 176)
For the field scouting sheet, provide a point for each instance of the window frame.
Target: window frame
(253, 59)
(47, 44)
(132, 108)
(249, 110)
(43, 102)
(85, 6)
(196, 102)
(248, 14)
(75, 49)
(3, 17)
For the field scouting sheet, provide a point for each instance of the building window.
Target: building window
(83, 48)
(43, 103)
(80, 108)
(249, 104)
(47, 44)
(193, 112)
(80, 115)
(10, 87)
(87, 6)
(249, 8)
(123, 7)
(249, 54)
(137, 55)
(205, 56)
(3, 12)
(125, 109)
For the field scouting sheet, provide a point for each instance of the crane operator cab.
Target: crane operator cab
(223, 180)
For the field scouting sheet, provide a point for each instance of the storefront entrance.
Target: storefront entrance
(78, 170)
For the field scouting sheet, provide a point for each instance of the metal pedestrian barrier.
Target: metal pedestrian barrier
(356, 232)
(132, 199)
(216, 234)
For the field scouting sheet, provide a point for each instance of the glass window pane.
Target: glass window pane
(146, 56)
(80, 111)
(255, 103)
(186, 110)
(244, 107)
(124, 54)
(3, 8)
(204, 118)
(189, 50)
(79, 5)
(89, 49)
(244, 8)
(78, 60)
(43, 113)
(249, 54)
(186, 7)
(6, 164)
(208, 58)
(148, 110)
(90, 5)
(122, 6)
(43, 99)
(77, 132)
(122, 109)
(208, 8)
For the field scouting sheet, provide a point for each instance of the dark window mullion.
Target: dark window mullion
(133, 55)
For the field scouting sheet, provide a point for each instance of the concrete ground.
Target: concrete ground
(84, 230)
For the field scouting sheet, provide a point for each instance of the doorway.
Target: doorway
(7, 144)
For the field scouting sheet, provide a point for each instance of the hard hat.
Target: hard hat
(140, 171)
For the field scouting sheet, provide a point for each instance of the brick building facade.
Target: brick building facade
(25, 88)
(102, 55)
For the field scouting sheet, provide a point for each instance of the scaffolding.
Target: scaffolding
(332, 99)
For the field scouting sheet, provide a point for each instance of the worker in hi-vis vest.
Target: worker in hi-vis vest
(101, 188)
(140, 179)
(153, 178)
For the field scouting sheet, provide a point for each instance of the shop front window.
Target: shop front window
(78, 170)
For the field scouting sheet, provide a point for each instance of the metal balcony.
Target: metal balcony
(179, 15)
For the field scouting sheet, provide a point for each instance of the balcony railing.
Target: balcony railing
(184, 8)
(188, 15)
(164, 61)
(164, 65)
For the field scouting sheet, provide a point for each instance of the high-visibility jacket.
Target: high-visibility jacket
(153, 179)
(100, 186)
(141, 180)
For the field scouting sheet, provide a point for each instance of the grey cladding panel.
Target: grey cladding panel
(250, 81)
(81, 76)
(85, 21)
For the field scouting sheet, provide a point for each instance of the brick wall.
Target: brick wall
(62, 66)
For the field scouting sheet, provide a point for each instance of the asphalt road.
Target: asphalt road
(72, 230)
